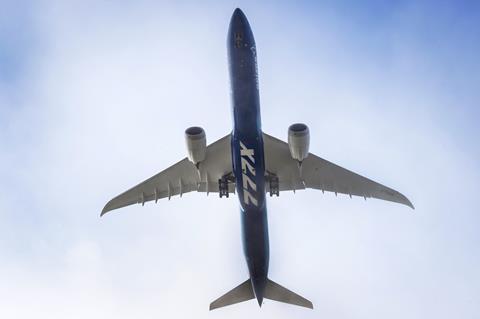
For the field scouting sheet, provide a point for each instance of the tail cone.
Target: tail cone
(260, 300)
(259, 289)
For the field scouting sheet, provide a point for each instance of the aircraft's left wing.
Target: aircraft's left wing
(321, 174)
(181, 178)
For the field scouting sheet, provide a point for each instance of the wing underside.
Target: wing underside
(181, 178)
(315, 173)
(321, 174)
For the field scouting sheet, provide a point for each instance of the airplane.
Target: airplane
(251, 164)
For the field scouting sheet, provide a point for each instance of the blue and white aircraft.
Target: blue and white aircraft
(251, 163)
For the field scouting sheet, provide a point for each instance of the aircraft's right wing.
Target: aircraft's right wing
(181, 178)
(321, 174)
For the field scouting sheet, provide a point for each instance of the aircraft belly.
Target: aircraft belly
(249, 168)
(247, 148)
(255, 242)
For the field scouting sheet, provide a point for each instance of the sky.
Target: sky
(95, 97)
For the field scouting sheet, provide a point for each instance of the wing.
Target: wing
(181, 178)
(318, 173)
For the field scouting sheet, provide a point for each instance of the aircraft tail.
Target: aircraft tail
(242, 292)
(274, 291)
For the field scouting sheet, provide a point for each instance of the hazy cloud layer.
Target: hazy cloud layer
(94, 98)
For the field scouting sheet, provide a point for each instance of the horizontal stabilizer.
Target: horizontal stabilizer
(238, 294)
(274, 291)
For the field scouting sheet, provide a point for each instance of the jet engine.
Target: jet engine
(298, 141)
(196, 144)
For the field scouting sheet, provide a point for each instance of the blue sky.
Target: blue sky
(95, 96)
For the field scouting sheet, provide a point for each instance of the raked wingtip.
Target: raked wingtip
(105, 210)
(409, 203)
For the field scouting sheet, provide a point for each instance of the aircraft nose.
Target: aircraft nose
(239, 33)
(239, 20)
(238, 15)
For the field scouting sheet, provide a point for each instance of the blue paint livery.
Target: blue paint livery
(248, 159)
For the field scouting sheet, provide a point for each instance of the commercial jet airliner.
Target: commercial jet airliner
(251, 164)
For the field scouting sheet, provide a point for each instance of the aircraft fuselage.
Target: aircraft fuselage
(247, 149)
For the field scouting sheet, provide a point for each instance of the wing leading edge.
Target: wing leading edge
(181, 178)
(321, 174)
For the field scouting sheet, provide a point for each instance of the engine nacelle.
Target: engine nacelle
(298, 141)
(196, 144)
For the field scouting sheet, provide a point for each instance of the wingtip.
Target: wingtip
(105, 210)
(213, 306)
(307, 304)
(409, 203)
(405, 201)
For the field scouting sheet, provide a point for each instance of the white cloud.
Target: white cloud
(108, 96)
